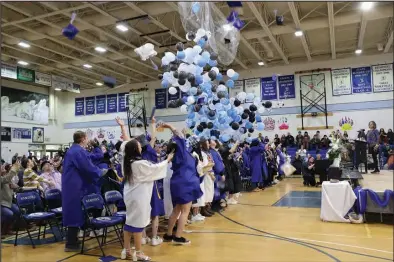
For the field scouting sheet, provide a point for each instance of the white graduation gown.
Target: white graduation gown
(209, 187)
(167, 192)
(200, 167)
(137, 195)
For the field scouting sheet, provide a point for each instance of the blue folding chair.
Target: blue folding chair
(29, 202)
(53, 199)
(94, 202)
(114, 197)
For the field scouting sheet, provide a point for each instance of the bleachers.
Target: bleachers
(293, 150)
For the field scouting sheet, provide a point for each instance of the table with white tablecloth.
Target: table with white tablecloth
(337, 199)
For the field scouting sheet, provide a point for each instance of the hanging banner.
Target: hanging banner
(286, 87)
(238, 88)
(62, 83)
(341, 82)
(160, 98)
(5, 134)
(79, 106)
(252, 86)
(101, 104)
(90, 105)
(43, 79)
(123, 101)
(361, 80)
(382, 78)
(25, 74)
(21, 134)
(175, 96)
(112, 103)
(8, 71)
(268, 89)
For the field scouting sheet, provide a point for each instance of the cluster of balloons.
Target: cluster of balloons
(211, 113)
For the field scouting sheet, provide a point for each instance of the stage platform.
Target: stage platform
(378, 182)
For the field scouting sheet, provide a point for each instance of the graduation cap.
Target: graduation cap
(70, 31)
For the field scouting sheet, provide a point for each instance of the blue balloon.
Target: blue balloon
(201, 42)
(248, 125)
(202, 62)
(260, 126)
(224, 101)
(181, 55)
(206, 55)
(235, 76)
(238, 119)
(213, 63)
(225, 138)
(191, 115)
(199, 79)
(219, 77)
(199, 70)
(165, 83)
(193, 90)
(196, 7)
(230, 83)
(258, 118)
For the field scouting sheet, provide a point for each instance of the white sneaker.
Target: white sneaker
(145, 240)
(80, 234)
(156, 241)
(276, 181)
(232, 201)
(197, 218)
(98, 233)
(201, 216)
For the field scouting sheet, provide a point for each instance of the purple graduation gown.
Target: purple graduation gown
(185, 183)
(256, 161)
(218, 169)
(156, 202)
(78, 174)
(282, 160)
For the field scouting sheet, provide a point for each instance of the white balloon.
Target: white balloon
(232, 99)
(208, 34)
(190, 100)
(165, 61)
(146, 51)
(170, 56)
(206, 78)
(172, 90)
(241, 96)
(261, 110)
(184, 108)
(230, 72)
(221, 88)
(215, 69)
(197, 49)
(256, 100)
(200, 33)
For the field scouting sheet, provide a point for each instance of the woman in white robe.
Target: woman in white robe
(139, 176)
(167, 193)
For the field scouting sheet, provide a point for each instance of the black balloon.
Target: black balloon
(267, 104)
(182, 75)
(160, 76)
(181, 82)
(210, 125)
(179, 102)
(199, 91)
(247, 111)
(205, 37)
(215, 102)
(166, 68)
(212, 74)
(179, 46)
(242, 130)
(214, 56)
(244, 116)
(211, 113)
(204, 124)
(222, 83)
(191, 78)
(251, 130)
(252, 119)
(235, 126)
(200, 128)
(190, 36)
(172, 104)
(213, 88)
(221, 94)
(252, 114)
(253, 108)
(237, 102)
(174, 67)
(176, 74)
(197, 108)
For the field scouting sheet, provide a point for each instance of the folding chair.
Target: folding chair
(53, 199)
(95, 201)
(114, 198)
(28, 202)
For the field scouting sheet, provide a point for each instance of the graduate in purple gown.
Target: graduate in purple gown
(184, 184)
(218, 169)
(256, 163)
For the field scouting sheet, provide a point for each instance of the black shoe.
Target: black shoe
(76, 248)
(167, 238)
(181, 241)
(375, 172)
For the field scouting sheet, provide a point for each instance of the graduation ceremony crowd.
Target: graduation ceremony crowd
(185, 180)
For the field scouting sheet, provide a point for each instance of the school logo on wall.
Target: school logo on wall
(346, 123)
(269, 124)
(282, 122)
(100, 133)
(90, 133)
(111, 134)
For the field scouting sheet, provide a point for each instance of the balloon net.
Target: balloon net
(201, 18)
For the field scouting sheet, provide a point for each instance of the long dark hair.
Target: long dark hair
(197, 148)
(131, 154)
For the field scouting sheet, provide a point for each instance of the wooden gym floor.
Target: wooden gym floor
(265, 226)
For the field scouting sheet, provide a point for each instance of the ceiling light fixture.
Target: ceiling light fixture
(23, 63)
(99, 84)
(100, 49)
(122, 27)
(298, 33)
(260, 63)
(58, 89)
(87, 66)
(24, 44)
(358, 51)
(365, 6)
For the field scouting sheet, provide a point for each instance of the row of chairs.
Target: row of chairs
(33, 210)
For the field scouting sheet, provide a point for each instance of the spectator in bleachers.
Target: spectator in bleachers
(315, 143)
(373, 144)
(306, 140)
(276, 140)
(382, 136)
(51, 174)
(325, 142)
(266, 140)
(290, 140)
(390, 136)
(299, 139)
(283, 141)
(318, 135)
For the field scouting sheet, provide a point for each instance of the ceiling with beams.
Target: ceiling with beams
(331, 30)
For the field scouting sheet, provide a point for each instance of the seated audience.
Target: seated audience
(50, 174)
(290, 140)
(30, 178)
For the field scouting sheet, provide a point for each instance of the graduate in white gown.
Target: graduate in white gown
(139, 176)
